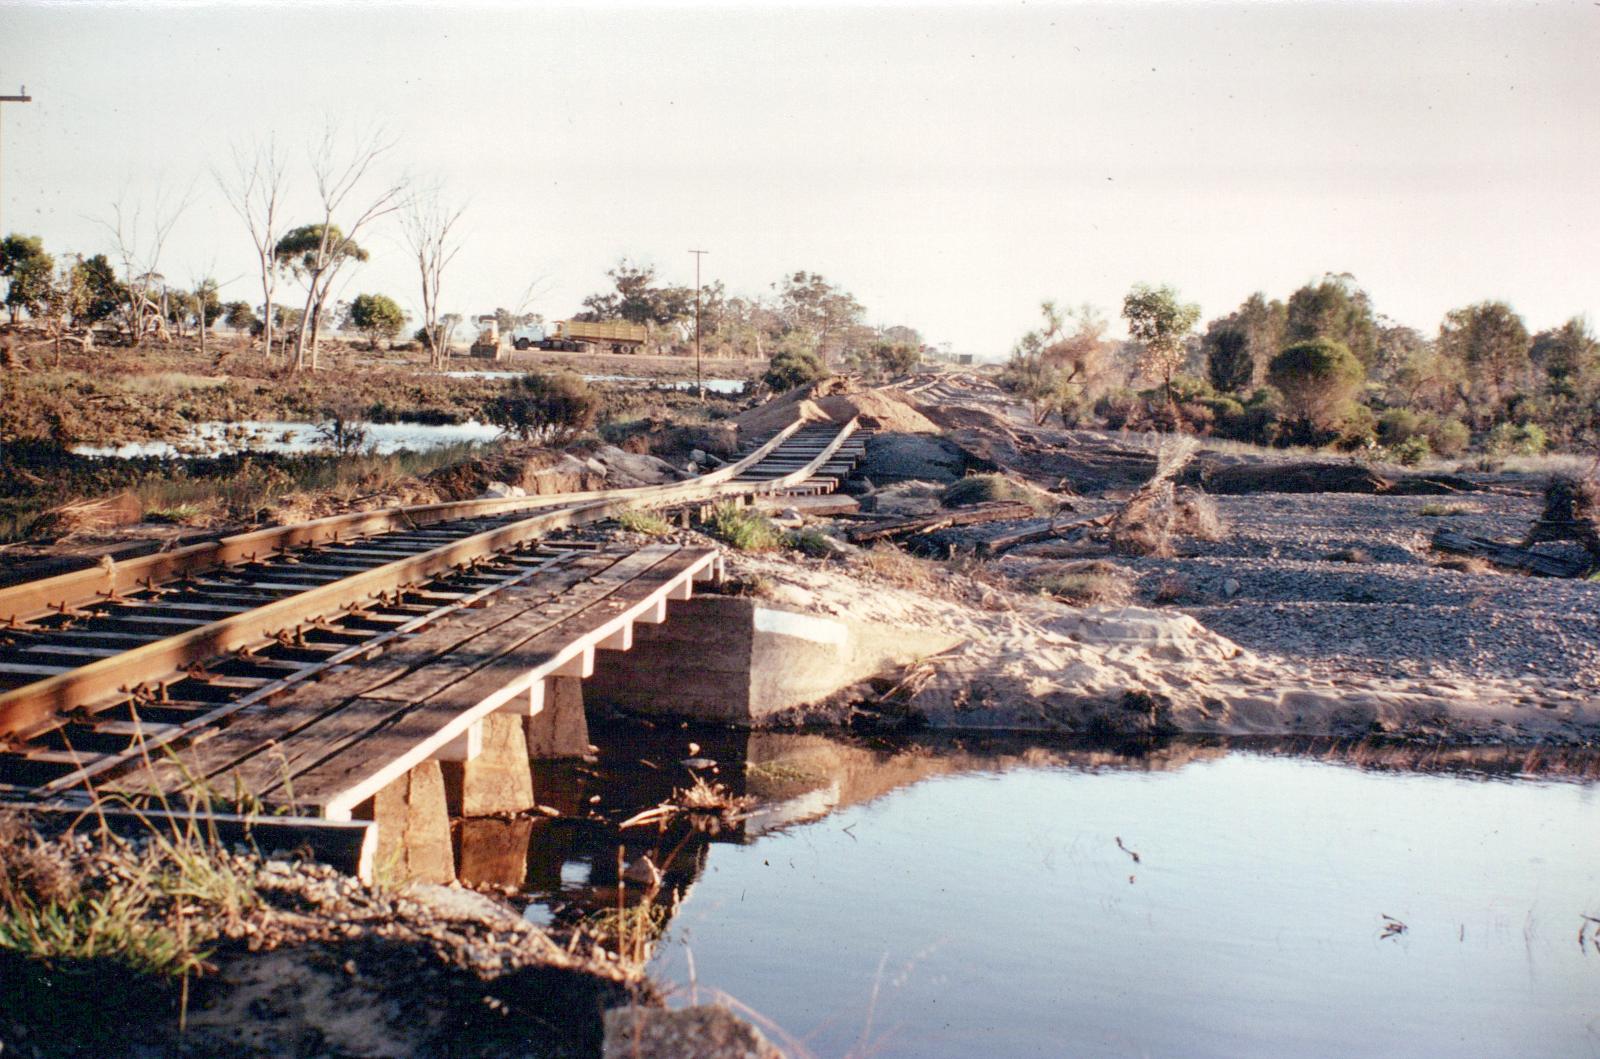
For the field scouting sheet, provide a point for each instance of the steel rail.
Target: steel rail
(148, 742)
(28, 710)
(32, 600)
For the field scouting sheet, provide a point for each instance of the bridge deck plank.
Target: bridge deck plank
(251, 749)
(347, 718)
(396, 734)
(259, 727)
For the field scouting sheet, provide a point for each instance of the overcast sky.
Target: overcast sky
(950, 165)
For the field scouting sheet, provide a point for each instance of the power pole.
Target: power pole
(699, 387)
(21, 97)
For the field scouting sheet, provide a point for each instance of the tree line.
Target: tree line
(1321, 367)
(802, 324)
(803, 319)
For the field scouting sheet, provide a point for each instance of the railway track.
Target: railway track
(102, 669)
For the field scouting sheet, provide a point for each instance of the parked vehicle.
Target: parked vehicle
(581, 336)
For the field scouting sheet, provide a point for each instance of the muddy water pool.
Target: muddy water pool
(258, 435)
(1198, 900)
(722, 386)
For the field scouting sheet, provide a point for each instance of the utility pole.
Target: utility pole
(699, 387)
(21, 97)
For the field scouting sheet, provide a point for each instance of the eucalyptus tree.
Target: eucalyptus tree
(429, 223)
(1159, 322)
(255, 188)
(317, 252)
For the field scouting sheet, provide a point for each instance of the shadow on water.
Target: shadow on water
(565, 856)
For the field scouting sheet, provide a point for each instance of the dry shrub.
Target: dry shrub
(1465, 564)
(754, 587)
(1171, 589)
(1350, 555)
(1092, 583)
(90, 516)
(1194, 514)
(31, 869)
(890, 564)
(1145, 524)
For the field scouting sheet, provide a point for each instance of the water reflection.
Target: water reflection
(285, 436)
(941, 896)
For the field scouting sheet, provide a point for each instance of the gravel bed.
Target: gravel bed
(1270, 587)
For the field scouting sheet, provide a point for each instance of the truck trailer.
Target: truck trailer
(581, 336)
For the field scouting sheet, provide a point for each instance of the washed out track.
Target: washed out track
(103, 671)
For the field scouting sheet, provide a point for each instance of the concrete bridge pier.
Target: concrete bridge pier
(560, 729)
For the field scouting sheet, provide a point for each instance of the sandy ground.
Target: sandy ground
(1030, 662)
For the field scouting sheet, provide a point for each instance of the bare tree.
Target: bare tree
(255, 188)
(139, 232)
(429, 223)
(339, 175)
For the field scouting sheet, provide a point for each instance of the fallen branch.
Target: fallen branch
(896, 529)
(1508, 556)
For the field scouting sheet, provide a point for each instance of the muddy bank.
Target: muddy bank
(282, 958)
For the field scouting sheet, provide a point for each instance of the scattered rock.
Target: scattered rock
(703, 1032)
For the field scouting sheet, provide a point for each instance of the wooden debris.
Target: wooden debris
(1508, 556)
(1041, 532)
(900, 528)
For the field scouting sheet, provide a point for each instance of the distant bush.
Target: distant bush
(377, 316)
(1526, 439)
(793, 367)
(1398, 425)
(1445, 437)
(1412, 451)
(1319, 381)
(552, 408)
(1120, 409)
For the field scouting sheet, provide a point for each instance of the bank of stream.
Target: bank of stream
(940, 898)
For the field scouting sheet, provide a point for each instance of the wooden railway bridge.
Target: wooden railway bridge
(314, 683)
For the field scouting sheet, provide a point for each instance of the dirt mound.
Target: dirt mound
(530, 468)
(1298, 477)
(837, 400)
(894, 457)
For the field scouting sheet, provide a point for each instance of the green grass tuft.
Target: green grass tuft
(812, 542)
(647, 522)
(743, 529)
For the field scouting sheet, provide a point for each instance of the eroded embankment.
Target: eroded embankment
(172, 946)
(1031, 663)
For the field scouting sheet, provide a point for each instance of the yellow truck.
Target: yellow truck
(580, 336)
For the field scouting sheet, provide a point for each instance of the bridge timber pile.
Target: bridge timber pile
(303, 669)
